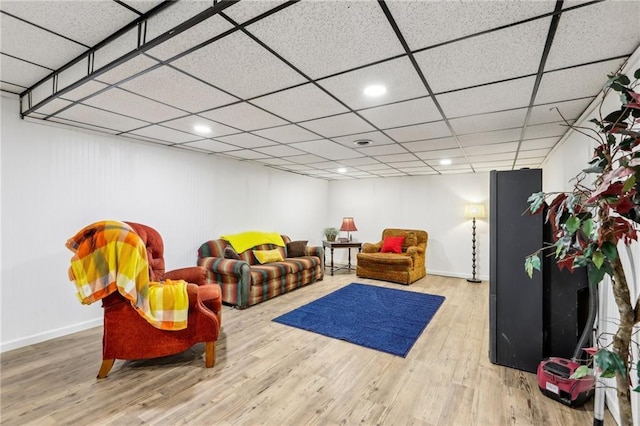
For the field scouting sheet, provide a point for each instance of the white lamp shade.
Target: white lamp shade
(474, 211)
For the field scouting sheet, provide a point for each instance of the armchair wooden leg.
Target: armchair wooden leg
(209, 354)
(105, 368)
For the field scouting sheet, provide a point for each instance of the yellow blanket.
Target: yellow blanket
(110, 256)
(245, 240)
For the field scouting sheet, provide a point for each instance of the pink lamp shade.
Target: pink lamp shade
(348, 224)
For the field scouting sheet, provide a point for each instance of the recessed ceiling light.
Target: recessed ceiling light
(375, 90)
(202, 129)
(342, 170)
(445, 162)
(362, 142)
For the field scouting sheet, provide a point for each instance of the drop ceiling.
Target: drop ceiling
(479, 83)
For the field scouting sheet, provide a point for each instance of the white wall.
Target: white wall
(432, 203)
(567, 161)
(57, 180)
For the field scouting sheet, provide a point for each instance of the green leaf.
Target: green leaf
(535, 201)
(580, 372)
(595, 274)
(610, 364)
(637, 389)
(609, 249)
(598, 259)
(587, 227)
(530, 263)
(594, 169)
(629, 183)
(637, 74)
(572, 224)
(623, 79)
(617, 87)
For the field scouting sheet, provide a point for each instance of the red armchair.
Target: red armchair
(129, 336)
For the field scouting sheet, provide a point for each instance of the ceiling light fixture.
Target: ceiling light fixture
(202, 129)
(375, 90)
(445, 162)
(362, 142)
(342, 170)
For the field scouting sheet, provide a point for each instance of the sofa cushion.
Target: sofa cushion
(392, 244)
(230, 253)
(298, 264)
(261, 274)
(297, 248)
(268, 256)
(385, 260)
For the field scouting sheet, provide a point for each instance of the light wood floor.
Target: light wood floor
(272, 374)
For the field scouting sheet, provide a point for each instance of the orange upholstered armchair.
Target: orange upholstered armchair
(127, 335)
(399, 257)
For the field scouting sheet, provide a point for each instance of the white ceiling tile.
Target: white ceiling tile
(212, 146)
(147, 139)
(280, 151)
(252, 73)
(352, 33)
(128, 69)
(245, 10)
(87, 22)
(534, 153)
(492, 157)
(100, 118)
(539, 143)
(329, 165)
(594, 32)
(451, 167)
(431, 144)
(492, 121)
(495, 148)
(455, 171)
(143, 6)
(398, 76)
(377, 138)
(287, 134)
(116, 49)
(451, 153)
(357, 162)
(247, 154)
(545, 130)
(548, 113)
(382, 150)
(490, 98)
(578, 82)
(300, 103)
(165, 134)
(187, 39)
(11, 88)
(402, 113)
(274, 161)
(173, 87)
(407, 164)
(482, 59)
(244, 116)
(374, 167)
(35, 45)
(188, 123)
(246, 140)
(88, 88)
(338, 125)
(126, 103)
(53, 106)
(327, 149)
(305, 159)
(418, 132)
(427, 23)
(60, 122)
(414, 170)
(395, 158)
(173, 16)
(484, 138)
(21, 73)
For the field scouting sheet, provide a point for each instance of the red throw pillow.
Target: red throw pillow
(392, 245)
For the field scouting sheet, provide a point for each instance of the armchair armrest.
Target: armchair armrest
(193, 274)
(372, 247)
(233, 276)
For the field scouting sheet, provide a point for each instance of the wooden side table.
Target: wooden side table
(338, 244)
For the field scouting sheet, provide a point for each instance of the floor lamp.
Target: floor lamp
(473, 212)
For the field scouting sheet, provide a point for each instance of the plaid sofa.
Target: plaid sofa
(246, 282)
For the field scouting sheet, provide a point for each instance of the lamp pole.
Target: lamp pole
(473, 279)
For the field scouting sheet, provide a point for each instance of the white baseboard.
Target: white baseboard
(48, 335)
(456, 274)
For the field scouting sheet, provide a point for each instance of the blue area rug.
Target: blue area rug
(380, 318)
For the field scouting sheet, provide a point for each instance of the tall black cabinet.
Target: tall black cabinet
(529, 319)
(515, 300)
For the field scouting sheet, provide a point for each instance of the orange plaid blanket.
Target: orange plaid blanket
(109, 256)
